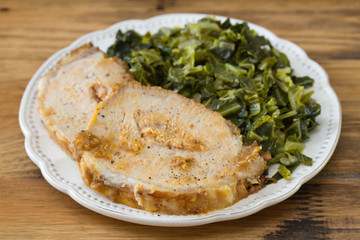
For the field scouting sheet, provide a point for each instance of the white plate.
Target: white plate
(62, 172)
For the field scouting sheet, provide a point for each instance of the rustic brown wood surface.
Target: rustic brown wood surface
(327, 207)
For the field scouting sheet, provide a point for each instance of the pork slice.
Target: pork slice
(156, 150)
(69, 93)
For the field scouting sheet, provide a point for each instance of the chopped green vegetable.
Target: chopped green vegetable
(284, 172)
(229, 68)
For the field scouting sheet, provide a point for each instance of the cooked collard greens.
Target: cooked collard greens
(229, 68)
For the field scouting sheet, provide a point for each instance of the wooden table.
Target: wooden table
(327, 207)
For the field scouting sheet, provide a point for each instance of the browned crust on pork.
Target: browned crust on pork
(166, 202)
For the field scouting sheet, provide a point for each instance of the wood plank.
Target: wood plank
(327, 207)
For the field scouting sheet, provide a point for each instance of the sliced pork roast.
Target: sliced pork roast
(69, 93)
(156, 150)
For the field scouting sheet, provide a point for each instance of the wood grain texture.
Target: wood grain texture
(327, 207)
